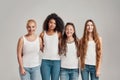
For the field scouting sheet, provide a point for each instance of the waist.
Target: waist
(51, 56)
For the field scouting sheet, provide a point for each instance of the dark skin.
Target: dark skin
(52, 26)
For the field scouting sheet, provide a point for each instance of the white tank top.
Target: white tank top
(91, 53)
(31, 53)
(70, 61)
(50, 47)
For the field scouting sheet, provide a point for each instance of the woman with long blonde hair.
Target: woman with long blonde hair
(90, 52)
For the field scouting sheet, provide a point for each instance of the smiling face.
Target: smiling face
(69, 31)
(51, 24)
(31, 27)
(90, 27)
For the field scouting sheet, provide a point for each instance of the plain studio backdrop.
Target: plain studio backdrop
(15, 13)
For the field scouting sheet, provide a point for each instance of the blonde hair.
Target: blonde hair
(31, 20)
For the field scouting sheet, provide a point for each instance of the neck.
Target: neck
(70, 39)
(90, 36)
(31, 35)
(49, 30)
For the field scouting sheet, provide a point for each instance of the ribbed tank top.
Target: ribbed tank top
(31, 52)
(50, 47)
(70, 61)
(91, 54)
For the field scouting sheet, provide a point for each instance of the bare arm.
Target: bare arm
(99, 65)
(59, 44)
(41, 41)
(41, 44)
(59, 35)
(19, 55)
(80, 48)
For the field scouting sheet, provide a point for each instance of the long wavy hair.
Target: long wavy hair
(59, 22)
(84, 44)
(63, 47)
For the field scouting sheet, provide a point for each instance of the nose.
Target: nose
(30, 29)
(52, 24)
(90, 27)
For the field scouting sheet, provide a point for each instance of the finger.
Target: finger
(24, 72)
(97, 75)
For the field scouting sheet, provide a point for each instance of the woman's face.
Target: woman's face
(69, 30)
(90, 27)
(31, 27)
(51, 24)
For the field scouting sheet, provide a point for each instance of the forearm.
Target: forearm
(99, 64)
(20, 62)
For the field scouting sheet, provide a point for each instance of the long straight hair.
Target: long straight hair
(84, 44)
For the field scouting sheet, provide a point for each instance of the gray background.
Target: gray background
(15, 13)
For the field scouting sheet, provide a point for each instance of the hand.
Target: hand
(22, 71)
(97, 73)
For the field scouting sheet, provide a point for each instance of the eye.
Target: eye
(33, 26)
(28, 26)
(88, 25)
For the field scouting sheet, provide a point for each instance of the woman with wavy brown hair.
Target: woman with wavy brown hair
(90, 52)
(69, 51)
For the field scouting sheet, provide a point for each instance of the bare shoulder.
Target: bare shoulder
(40, 39)
(20, 39)
(59, 34)
(41, 34)
(100, 38)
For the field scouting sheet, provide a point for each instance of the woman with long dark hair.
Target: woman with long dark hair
(52, 31)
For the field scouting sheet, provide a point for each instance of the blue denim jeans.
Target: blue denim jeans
(89, 70)
(31, 74)
(50, 69)
(69, 74)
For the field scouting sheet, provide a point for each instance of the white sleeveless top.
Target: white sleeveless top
(31, 52)
(91, 53)
(50, 51)
(70, 61)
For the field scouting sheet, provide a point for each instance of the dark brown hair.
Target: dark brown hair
(58, 20)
